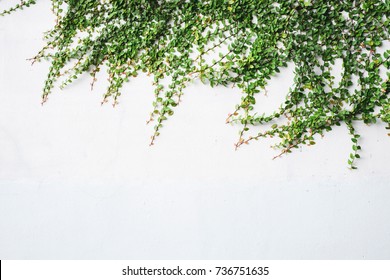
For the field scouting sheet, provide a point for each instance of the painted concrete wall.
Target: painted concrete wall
(78, 180)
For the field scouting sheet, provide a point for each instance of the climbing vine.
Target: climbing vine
(240, 43)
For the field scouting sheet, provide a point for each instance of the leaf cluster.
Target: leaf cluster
(233, 42)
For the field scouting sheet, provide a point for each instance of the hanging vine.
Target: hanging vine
(233, 42)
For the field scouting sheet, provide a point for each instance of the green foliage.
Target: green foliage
(19, 6)
(174, 42)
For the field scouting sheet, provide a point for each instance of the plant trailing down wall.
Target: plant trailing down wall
(233, 42)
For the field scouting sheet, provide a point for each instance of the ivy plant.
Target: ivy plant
(240, 43)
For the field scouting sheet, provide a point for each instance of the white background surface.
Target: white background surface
(79, 181)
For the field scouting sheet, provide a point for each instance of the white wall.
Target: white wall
(78, 180)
